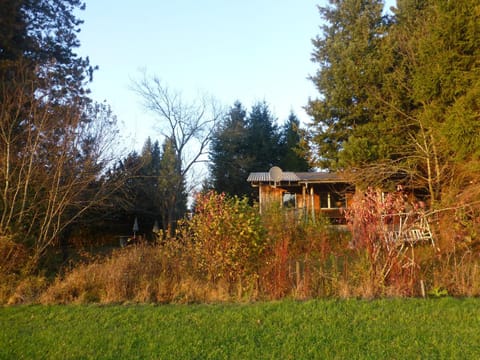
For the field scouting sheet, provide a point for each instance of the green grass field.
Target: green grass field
(326, 329)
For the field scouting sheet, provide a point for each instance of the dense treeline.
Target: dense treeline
(242, 144)
(398, 104)
(399, 93)
(147, 193)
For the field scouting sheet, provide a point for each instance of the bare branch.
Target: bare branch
(51, 158)
(188, 125)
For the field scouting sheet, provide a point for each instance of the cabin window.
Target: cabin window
(289, 200)
(338, 200)
(331, 200)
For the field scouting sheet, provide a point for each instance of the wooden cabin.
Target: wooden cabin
(309, 193)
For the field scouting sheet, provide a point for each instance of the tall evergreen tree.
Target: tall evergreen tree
(137, 197)
(350, 65)
(438, 43)
(171, 193)
(229, 163)
(244, 144)
(292, 157)
(39, 37)
(406, 106)
(146, 202)
(262, 147)
(151, 190)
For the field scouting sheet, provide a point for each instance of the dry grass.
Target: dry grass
(139, 274)
(15, 285)
(153, 274)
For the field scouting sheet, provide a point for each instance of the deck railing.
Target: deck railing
(411, 228)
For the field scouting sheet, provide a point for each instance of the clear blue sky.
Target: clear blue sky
(250, 50)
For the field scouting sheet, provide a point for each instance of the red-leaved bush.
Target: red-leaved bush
(374, 219)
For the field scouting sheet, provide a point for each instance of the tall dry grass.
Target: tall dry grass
(16, 284)
(300, 258)
(141, 273)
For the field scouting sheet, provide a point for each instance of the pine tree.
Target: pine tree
(229, 163)
(350, 65)
(292, 157)
(399, 96)
(171, 193)
(39, 37)
(262, 139)
(438, 41)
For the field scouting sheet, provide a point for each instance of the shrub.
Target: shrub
(227, 251)
(224, 239)
(27, 290)
(391, 270)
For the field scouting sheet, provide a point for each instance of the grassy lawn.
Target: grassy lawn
(381, 329)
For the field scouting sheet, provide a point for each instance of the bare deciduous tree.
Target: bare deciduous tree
(51, 160)
(187, 125)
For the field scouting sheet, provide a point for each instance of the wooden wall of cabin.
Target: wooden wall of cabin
(308, 197)
(268, 194)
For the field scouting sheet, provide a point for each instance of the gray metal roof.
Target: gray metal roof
(265, 177)
(301, 177)
(320, 177)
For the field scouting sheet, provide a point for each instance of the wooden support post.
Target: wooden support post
(260, 202)
(304, 188)
(312, 203)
